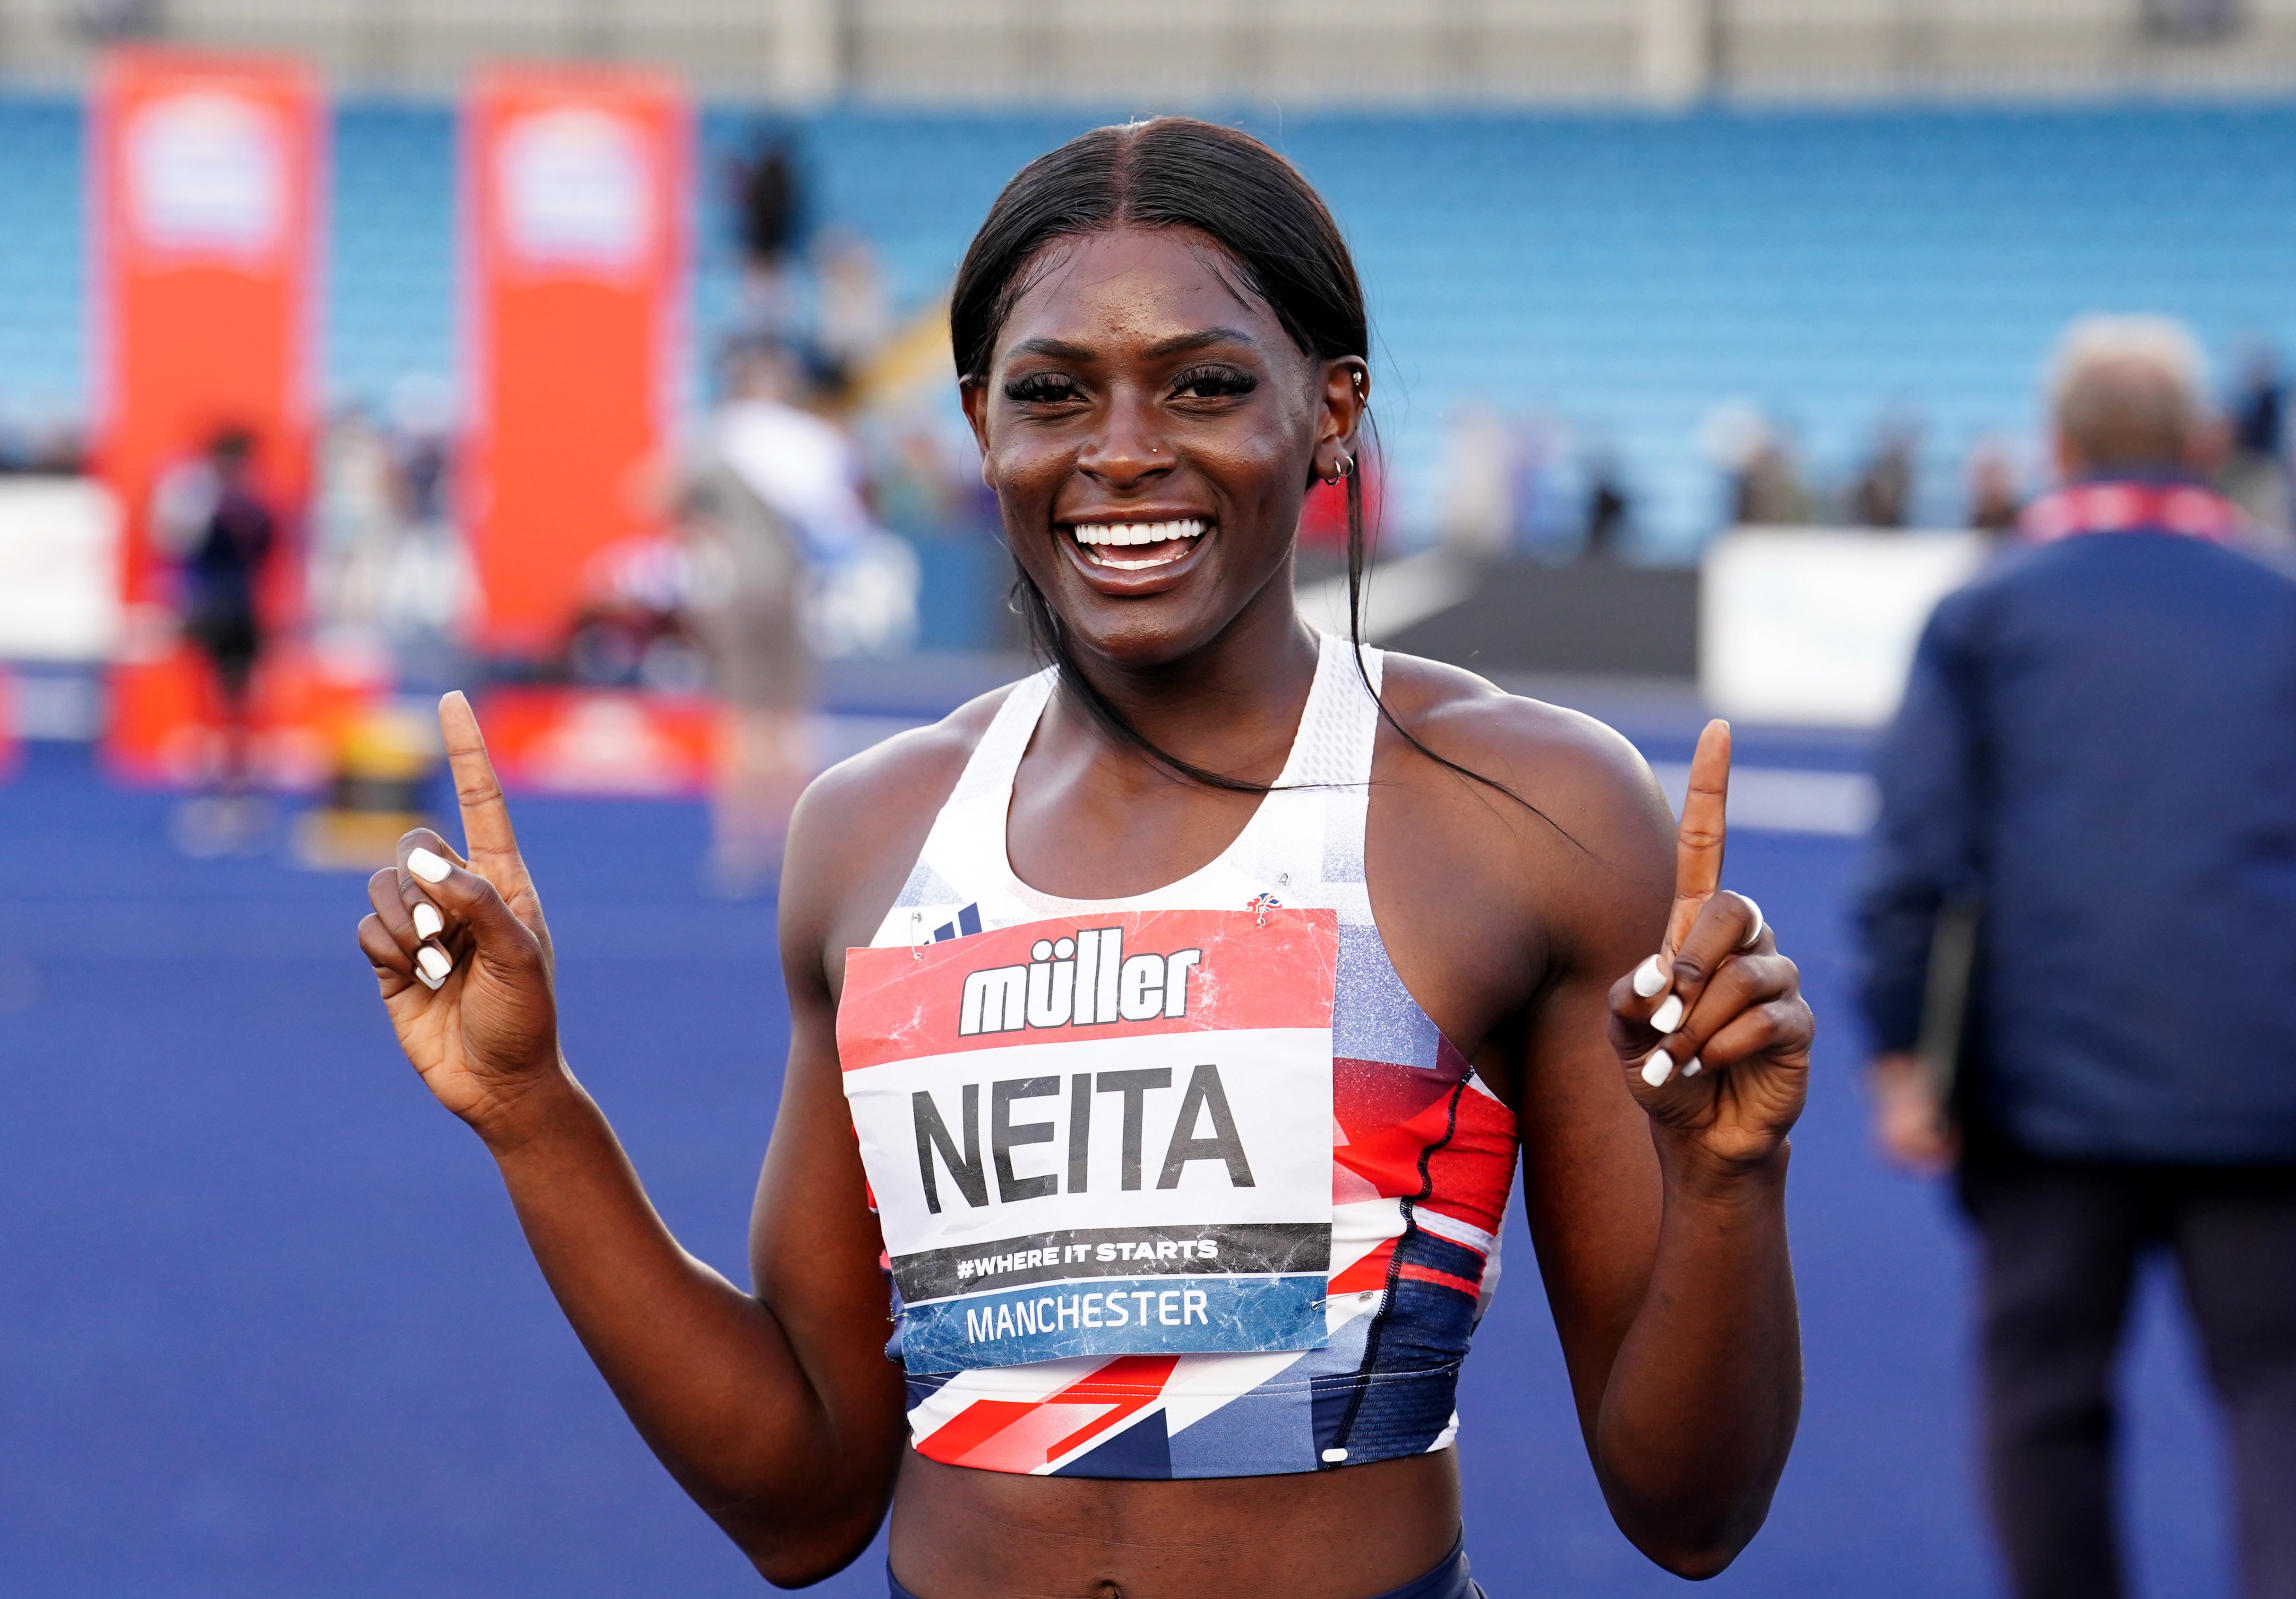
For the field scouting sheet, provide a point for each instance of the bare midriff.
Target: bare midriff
(959, 1533)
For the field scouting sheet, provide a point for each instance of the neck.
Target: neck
(1231, 705)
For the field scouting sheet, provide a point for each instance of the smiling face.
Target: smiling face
(1149, 429)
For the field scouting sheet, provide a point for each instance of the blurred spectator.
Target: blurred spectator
(767, 486)
(851, 321)
(1769, 492)
(2256, 473)
(1766, 489)
(1995, 494)
(1608, 508)
(1478, 510)
(2091, 770)
(390, 577)
(51, 446)
(429, 590)
(632, 631)
(355, 518)
(1883, 493)
(207, 514)
(768, 205)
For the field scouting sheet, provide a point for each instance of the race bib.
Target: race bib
(1108, 1135)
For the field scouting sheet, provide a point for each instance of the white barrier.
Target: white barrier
(59, 569)
(1818, 625)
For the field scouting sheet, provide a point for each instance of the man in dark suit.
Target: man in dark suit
(2096, 761)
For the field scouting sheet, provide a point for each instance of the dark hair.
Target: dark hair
(1176, 172)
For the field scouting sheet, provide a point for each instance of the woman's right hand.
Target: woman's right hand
(460, 952)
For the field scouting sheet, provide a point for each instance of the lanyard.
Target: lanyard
(2125, 507)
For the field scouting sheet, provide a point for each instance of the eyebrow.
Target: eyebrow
(1061, 349)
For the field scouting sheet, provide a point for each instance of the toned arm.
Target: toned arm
(1658, 1210)
(776, 1409)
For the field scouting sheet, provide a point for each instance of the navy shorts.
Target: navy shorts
(1447, 1580)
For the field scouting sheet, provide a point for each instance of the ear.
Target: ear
(1345, 397)
(972, 394)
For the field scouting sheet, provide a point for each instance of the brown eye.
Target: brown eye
(1213, 383)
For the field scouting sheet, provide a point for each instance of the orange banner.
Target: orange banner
(206, 237)
(205, 184)
(575, 187)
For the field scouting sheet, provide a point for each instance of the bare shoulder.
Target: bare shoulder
(859, 826)
(1581, 777)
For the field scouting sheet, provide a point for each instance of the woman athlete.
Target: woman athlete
(1166, 1025)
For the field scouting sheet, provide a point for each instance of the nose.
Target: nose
(1128, 448)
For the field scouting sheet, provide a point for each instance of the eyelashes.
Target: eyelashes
(1197, 383)
(1040, 388)
(1213, 383)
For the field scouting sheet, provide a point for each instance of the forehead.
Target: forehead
(1132, 287)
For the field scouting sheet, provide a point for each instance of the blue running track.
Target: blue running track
(267, 1330)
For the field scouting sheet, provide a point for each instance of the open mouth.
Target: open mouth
(1137, 546)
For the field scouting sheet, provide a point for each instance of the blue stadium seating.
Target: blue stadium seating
(1622, 271)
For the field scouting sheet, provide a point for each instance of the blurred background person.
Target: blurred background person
(1764, 485)
(1610, 506)
(750, 559)
(2095, 758)
(769, 223)
(1996, 492)
(1882, 496)
(2256, 470)
(209, 515)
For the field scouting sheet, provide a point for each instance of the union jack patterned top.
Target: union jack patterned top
(1422, 1155)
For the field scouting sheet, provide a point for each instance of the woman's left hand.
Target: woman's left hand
(1711, 1031)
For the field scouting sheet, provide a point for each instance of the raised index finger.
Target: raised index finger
(1698, 843)
(486, 818)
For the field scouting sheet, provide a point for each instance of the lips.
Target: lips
(1137, 546)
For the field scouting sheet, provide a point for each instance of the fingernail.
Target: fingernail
(1650, 978)
(428, 922)
(429, 867)
(433, 963)
(1691, 1068)
(1753, 933)
(1658, 1068)
(1668, 1016)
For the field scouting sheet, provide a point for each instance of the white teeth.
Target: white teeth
(1138, 533)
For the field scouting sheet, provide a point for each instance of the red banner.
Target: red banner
(206, 245)
(575, 187)
(205, 186)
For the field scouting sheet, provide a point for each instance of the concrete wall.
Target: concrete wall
(1181, 52)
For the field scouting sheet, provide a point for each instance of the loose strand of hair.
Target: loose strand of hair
(1358, 557)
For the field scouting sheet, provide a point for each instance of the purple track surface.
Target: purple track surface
(267, 1329)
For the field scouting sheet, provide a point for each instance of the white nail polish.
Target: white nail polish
(433, 984)
(1668, 1016)
(1650, 978)
(428, 922)
(1658, 1068)
(1692, 1066)
(434, 962)
(429, 867)
(1754, 934)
